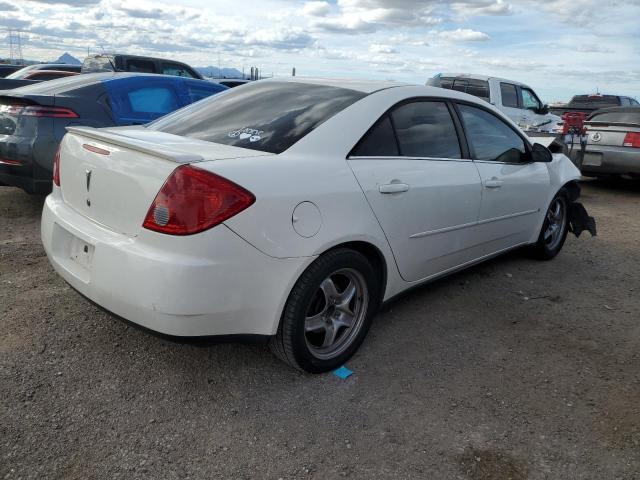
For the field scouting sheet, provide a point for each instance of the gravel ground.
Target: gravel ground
(514, 369)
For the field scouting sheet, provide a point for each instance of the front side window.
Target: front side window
(267, 116)
(490, 138)
(380, 141)
(509, 95)
(426, 129)
(529, 100)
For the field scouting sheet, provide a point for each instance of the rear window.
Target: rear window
(266, 116)
(594, 101)
(617, 117)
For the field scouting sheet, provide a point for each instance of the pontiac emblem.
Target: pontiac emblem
(596, 137)
(88, 174)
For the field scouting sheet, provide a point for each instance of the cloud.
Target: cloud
(379, 48)
(463, 35)
(71, 3)
(7, 7)
(474, 8)
(316, 8)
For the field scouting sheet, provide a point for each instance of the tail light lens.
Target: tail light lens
(39, 111)
(632, 139)
(56, 167)
(193, 200)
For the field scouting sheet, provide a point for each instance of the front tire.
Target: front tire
(554, 228)
(328, 312)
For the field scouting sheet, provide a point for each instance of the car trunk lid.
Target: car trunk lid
(112, 176)
(611, 134)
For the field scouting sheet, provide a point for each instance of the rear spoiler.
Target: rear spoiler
(604, 123)
(136, 144)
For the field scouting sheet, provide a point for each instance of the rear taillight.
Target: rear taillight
(632, 139)
(56, 167)
(38, 111)
(193, 200)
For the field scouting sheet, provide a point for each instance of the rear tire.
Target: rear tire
(328, 312)
(554, 228)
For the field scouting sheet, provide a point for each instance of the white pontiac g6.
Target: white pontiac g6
(290, 209)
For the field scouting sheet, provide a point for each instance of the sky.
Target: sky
(558, 47)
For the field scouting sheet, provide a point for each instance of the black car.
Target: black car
(115, 62)
(33, 119)
(8, 69)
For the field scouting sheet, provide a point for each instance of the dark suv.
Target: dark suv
(115, 62)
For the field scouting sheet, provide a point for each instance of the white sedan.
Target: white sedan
(290, 209)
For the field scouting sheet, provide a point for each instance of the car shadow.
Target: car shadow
(613, 184)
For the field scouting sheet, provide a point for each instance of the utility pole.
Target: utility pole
(15, 47)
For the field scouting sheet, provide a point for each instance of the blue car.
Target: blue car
(33, 119)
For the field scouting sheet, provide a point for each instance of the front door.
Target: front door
(425, 196)
(513, 188)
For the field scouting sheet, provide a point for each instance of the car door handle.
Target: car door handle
(493, 183)
(393, 188)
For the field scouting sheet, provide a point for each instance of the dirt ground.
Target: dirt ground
(515, 369)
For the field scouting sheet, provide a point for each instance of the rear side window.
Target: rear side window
(490, 137)
(102, 63)
(478, 88)
(143, 66)
(380, 141)
(426, 129)
(138, 101)
(509, 95)
(267, 116)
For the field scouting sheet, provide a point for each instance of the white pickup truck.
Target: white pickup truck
(516, 100)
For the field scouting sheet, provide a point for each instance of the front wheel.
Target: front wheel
(328, 312)
(554, 228)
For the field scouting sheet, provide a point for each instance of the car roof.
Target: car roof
(365, 86)
(61, 85)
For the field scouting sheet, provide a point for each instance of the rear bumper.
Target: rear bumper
(33, 159)
(209, 284)
(611, 160)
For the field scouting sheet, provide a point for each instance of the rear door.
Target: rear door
(423, 190)
(513, 189)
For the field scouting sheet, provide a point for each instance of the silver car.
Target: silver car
(613, 143)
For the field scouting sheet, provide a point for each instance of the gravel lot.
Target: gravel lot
(514, 369)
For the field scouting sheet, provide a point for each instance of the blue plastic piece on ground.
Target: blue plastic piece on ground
(343, 372)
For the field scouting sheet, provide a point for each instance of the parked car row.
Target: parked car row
(34, 118)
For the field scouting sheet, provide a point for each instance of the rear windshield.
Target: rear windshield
(592, 101)
(267, 116)
(102, 63)
(617, 117)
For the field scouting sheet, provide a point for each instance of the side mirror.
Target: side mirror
(543, 110)
(540, 153)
